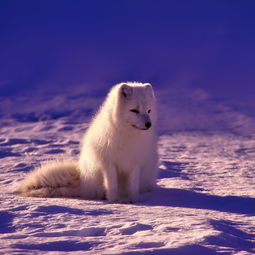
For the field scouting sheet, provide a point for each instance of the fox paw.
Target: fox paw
(113, 198)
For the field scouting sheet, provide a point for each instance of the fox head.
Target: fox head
(136, 105)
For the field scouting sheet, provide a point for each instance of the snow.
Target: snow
(204, 203)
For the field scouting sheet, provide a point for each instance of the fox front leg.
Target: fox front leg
(111, 185)
(133, 185)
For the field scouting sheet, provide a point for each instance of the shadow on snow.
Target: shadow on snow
(188, 249)
(231, 237)
(57, 246)
(173, 169)
(6, 219)
(191, 199)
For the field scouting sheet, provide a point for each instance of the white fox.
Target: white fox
(118, 160)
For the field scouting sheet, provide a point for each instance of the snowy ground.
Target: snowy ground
(204, 203)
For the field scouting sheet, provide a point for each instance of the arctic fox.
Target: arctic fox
(118, 160)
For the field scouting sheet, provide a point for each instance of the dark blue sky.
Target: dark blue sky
(207, 44)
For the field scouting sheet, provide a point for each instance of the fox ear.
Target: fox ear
(126, 91)
(147, 85)
(150, 89)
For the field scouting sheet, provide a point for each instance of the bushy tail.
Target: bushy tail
(56, 179)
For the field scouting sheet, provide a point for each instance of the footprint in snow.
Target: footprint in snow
(14, 141)
(65, 246)
(65, 128)
(21, 167)
(55, 151)
(130, 229)
(147, 245)
(85, 232)
(31, 149)
(7, 153)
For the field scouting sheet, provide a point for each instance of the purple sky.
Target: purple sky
(204, 44)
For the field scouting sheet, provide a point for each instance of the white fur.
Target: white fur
(56, 179)
(119, 153)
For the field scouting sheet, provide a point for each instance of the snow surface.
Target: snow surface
(204, 203)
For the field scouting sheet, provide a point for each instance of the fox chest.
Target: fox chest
(128, 151)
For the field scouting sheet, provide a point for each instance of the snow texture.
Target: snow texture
(204, 203)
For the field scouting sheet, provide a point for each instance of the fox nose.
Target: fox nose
(147, 124)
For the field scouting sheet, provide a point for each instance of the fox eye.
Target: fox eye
(149, 110)
(134, 110)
